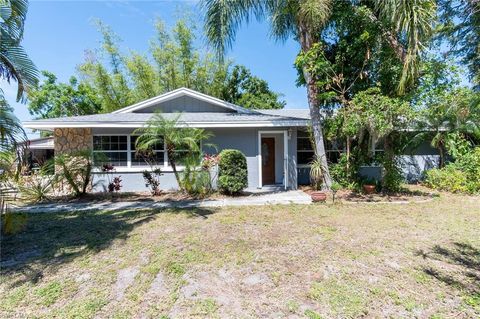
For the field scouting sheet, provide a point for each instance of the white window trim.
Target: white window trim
(137, 168)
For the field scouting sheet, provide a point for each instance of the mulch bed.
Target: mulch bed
(413, 193)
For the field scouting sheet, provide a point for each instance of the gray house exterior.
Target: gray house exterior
(274, 142)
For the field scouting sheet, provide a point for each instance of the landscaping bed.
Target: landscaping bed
(410, 194)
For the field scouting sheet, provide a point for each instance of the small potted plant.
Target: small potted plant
(316, 178)
(369, 186)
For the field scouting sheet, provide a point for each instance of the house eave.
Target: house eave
(65, 124)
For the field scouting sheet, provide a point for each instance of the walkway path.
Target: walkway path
(289, 197)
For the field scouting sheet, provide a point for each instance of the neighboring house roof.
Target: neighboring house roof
(222, 115)
(44, 143)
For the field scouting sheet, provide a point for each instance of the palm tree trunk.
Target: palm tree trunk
(306, 42)
(170, 154)
(441, 152)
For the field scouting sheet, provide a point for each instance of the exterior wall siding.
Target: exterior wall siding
(414, 163)
(184, 104)
(243, 139)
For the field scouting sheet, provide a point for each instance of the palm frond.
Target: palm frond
(14, 61)
(223, 18)
(413, 19)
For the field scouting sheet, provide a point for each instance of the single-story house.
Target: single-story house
(275, 142)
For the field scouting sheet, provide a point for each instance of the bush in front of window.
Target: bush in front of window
(232, 172)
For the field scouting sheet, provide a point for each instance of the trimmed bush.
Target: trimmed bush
(232, 172)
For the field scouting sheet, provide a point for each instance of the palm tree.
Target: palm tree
(177, 137)
(14, 61)
(11, 150)
(305, 19)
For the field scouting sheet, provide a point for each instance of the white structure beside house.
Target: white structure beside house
(275, 142)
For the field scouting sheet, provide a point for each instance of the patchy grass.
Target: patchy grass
(319, 261)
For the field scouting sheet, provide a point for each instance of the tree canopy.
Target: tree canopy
(174, 61)
(53, 99)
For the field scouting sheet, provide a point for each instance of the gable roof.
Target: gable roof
(179, 93)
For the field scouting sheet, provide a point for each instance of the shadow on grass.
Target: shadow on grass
(53, 239)
(462, 270)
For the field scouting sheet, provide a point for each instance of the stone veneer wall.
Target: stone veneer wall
(68, 140)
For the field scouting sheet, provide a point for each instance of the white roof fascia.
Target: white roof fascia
(178, 93)
(52, 125)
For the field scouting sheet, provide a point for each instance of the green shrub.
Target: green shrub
(232, 172)
(470, 164)
(448, 178)
(345, 177)
(463, 176)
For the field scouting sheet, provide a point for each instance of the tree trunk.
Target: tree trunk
(389, 158)
(348, 142)
(391, 39)
(170, 154)
(306, 42)
(441, 152)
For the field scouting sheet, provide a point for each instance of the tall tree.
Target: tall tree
(404, 23)
(174, 61)
(461, 27)
(250, 91)
(53, 99)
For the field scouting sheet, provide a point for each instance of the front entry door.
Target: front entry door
(268, 161)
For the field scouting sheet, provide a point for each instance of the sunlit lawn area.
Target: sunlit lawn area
(318, 261)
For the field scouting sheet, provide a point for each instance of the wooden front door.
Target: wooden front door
(268, 161)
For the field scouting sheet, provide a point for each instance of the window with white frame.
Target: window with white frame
(111, 149)
(120, 151)
(156, 156)
(305, 152)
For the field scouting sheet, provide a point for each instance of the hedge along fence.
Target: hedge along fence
(232, 172)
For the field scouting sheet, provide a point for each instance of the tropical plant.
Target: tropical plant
(36, 187)
(115, 185)
(75, 170)
(452, 114)
(181, 142)
(152, 181)
(461, 27)
(195, 179)
(11, 152)
(14, 61)
(304, 20)
(232, 172)
(316, 174)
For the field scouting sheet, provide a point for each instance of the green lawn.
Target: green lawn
(318, 261)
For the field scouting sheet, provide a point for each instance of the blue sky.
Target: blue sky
(57, 33)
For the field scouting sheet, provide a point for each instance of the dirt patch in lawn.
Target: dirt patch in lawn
(283, 261)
